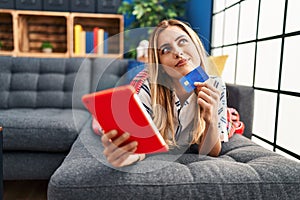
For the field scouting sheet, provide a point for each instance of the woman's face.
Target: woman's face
(177, 52)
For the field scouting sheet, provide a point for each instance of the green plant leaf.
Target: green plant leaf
(46, 44)
(151, 12)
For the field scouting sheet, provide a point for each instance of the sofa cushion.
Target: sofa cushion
(43, 82)
(44, 129)
(244, 170)
(42, 165)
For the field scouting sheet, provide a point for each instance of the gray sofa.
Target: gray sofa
(47, 135)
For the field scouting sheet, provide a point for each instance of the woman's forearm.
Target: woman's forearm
(210, 143)
(216, 149)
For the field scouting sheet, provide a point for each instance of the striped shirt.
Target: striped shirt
(184, 114)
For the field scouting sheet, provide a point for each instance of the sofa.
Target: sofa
(41, 113)
(47, 134)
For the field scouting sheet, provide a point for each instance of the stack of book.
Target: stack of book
(86, 42)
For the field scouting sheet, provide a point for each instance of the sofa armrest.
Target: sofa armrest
(242, 99)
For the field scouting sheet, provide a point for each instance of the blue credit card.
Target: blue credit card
(196, 75)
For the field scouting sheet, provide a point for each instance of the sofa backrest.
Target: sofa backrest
(242, 99)
(108, 73)
(43, 82)
(61, 82)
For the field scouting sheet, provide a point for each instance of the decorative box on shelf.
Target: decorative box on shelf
(37, 27)
(28, 4)
(22, 33)
(7, 4)
(97, 35)
(86, 6)
(108, 6)
(56, 5)
(6, 32)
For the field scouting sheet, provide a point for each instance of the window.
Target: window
(267, 64)
(270, 18)
(245, 61)
(248, 20)
(262, 40)
(231, 25)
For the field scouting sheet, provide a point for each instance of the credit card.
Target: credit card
(196, 75)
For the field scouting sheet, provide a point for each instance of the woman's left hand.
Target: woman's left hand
(208, 99)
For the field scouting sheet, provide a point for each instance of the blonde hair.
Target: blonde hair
(161, 96)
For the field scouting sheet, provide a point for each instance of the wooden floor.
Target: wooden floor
(25, 190)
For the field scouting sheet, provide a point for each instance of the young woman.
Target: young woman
(183, 118)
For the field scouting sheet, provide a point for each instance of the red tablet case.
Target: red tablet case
(120, 108)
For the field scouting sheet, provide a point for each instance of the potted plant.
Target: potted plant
(47, 47)
(148, 13)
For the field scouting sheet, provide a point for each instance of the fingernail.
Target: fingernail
(114, 132)
(135, 143)
(197, 83)
(126, 135)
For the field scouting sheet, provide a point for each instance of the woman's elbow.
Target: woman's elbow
(215, 152)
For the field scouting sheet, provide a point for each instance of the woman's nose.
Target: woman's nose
(178, 53)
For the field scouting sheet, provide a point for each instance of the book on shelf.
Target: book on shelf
(95, 41)
(105, 43)
(89, 42)
(82, 42)
(77, 38)
(100, 41)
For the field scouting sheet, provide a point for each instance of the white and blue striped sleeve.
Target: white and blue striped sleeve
(222, 108)
(145, 97)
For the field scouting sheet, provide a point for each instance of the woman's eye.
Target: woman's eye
(183, 41)
(165, 50)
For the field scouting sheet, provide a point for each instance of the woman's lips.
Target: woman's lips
(181, 63)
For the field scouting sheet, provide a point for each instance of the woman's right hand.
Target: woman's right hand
(117, 152)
